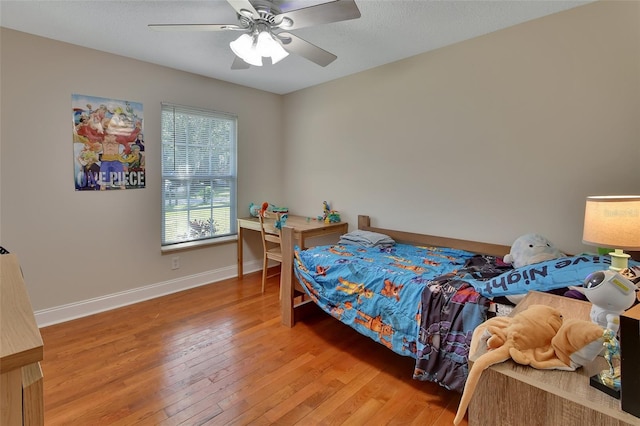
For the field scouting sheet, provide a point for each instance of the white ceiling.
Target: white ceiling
(387, 31)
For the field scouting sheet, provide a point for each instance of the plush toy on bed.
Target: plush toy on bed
(536, 336)
(531, 248)
(527, 250)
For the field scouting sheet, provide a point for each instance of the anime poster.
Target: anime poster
(108, 144)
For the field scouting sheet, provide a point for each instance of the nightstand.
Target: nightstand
(513, 394)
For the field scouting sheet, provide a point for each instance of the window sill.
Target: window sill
(198, 244)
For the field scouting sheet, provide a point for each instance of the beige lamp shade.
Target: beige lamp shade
(612, 221)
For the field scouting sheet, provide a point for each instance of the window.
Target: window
(198, 174)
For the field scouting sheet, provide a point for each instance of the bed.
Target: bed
(421, 297)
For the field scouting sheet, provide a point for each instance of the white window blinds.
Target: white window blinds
(198, 174)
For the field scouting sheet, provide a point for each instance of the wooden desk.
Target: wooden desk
(21, 350)
(297, 229)
(513, 394)
(302, 230)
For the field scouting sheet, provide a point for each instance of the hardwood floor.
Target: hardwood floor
(217, 355)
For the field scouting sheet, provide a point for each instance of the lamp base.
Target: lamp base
(619, 260)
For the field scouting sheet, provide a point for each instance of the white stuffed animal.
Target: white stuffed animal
(531, 248)
(527, 250)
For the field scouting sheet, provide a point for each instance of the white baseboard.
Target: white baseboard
(70, 311)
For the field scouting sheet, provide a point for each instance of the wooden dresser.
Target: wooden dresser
(512, 394)
(21, 350)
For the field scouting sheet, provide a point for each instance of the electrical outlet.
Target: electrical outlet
(175, 262)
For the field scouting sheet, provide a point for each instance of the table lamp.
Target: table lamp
(614, 222)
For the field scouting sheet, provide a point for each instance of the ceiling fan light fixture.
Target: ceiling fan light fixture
(245, 49)
(258, 19)
(269, 47)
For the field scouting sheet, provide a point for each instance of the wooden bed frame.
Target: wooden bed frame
(294, 304)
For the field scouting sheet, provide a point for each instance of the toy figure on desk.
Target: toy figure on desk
(329, 216)
(281, 220)
(264, 208)
(254, 210)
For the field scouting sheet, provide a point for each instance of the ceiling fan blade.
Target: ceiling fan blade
(193, 27)
(244, 8)
(335, 11)
(239, 64)
(295, 44)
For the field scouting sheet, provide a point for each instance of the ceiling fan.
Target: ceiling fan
(264, 27)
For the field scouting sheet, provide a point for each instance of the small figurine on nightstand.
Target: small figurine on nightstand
(611, 377)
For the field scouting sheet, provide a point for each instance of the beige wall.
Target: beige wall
(76, 246)
(487, 139)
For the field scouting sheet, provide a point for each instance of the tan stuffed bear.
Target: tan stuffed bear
(537, 336)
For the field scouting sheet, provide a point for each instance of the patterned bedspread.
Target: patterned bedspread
(410, 299)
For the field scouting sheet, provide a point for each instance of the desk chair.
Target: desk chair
(271, 243)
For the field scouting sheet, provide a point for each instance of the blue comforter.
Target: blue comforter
(425, 302)
(407, 298)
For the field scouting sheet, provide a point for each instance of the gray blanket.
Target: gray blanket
(366, 239)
